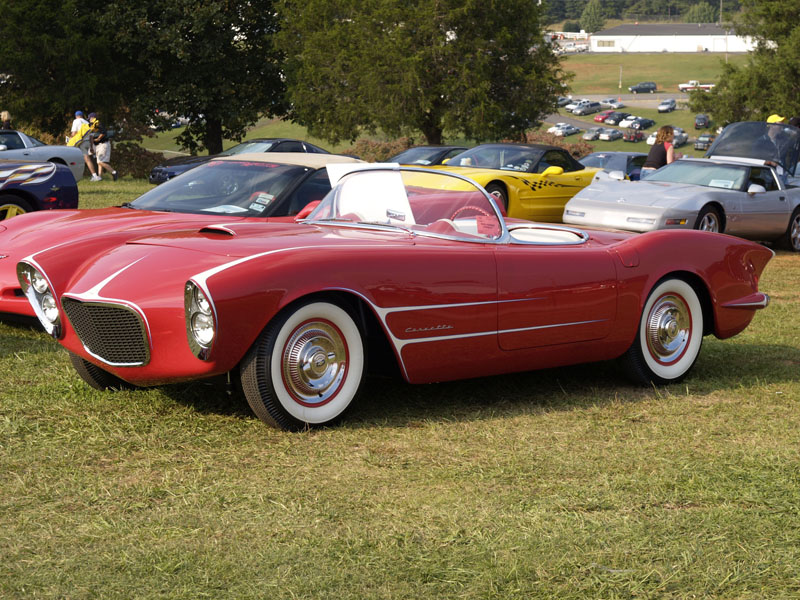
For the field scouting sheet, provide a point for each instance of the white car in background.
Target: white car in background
(681, 137)
(628, 121)
(16, 145)
(576, 103)
(556, 127)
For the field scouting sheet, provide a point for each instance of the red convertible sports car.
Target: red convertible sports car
(259, 187)
(413, 264)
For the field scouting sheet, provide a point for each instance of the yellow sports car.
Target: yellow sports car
(530, 181)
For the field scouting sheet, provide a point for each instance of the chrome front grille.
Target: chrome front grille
(111, 332)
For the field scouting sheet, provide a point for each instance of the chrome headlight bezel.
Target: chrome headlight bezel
(38, 289)
(201, 316)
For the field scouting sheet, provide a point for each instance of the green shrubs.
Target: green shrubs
(129, 158)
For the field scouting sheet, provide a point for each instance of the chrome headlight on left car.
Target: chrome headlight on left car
(201, 322)
(38, 291)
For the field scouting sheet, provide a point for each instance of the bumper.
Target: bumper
(628, 217)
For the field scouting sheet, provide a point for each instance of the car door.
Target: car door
(554, 294)
(762, 215)
(547, 194)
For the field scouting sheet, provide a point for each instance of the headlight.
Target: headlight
(37, 290)
(201, 328)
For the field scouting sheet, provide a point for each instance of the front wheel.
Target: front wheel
(11, 206)
(709, 220)
(306, 367)
(500, 197)
(96, 377)
(669, 337)
(791, 239)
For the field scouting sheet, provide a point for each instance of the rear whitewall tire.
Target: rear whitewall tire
(669, 336)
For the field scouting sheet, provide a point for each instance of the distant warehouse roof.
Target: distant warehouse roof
(672, 37)
(668, 29)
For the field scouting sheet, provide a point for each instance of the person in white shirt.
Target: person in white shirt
(85, 145)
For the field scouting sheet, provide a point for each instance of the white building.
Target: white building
(678, 37)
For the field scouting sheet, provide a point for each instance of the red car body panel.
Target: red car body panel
(449, 309)
(40, 230)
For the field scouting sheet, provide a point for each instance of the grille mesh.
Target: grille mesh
(111, 332)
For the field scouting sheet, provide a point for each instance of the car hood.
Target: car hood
(659, 194)
(773, 142)
(185, 161)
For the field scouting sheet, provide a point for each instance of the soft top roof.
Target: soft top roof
(773, 142)
(302, 159)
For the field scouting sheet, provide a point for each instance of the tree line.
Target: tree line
(689, 11)
(340, 68)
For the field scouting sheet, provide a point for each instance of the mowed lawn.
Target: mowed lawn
(566, 483)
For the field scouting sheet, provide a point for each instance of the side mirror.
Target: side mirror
(3, 147)
(618, 175)
(552, 171)
(445, 161)
(755, 188)
(307, 210)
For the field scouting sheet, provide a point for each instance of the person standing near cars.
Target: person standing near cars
(102, 147)
(662, 153)
(79, 137)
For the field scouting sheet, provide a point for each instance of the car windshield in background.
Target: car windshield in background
(435, 204)
(763, 141)
(727, 177)
(249, 147)
(506, 158)
(417, 156)
(226, 187)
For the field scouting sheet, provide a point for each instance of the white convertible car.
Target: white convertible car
(745, 187)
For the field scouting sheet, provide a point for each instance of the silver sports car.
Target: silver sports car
(20, 146)
(745, 187)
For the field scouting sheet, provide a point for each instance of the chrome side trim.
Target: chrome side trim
(758, 300)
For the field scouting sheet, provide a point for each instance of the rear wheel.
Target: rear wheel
(499, 193)
(306, 367)
(709, 220)
(670, 335)
(791, 239)
(97, 377)
(11, 206)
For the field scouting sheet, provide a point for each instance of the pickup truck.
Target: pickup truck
(693, 84)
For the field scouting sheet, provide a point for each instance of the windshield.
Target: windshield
(707, 174)
(760, 140)
(507, 158)
(263, 146)
(246, 189)
(435, 204)
(417, 156)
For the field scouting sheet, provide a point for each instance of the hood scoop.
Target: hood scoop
(218, 230)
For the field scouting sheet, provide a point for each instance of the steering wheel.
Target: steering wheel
(477, 209)
(227, 185)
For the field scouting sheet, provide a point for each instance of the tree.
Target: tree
(700, 13)
(56, 59)
(592, 17)
(478, 68)
(769, 82)
(212, 61)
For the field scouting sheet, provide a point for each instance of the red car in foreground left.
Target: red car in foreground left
(418, 263)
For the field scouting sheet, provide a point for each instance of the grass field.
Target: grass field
(565, 483)
(600, 73)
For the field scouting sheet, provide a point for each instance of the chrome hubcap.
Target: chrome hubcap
(10, 210)
(709, 223)
(314, 362)
(669, 328)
